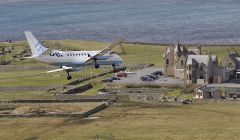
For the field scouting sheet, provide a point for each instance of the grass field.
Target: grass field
(203, 121)
(135, 54)
(130, 121)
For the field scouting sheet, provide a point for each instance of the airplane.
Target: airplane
(71, 61)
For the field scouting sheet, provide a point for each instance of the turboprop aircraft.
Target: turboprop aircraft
(70, 61)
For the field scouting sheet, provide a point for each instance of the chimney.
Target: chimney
(210, 56)
(199, 50)
(227, 52)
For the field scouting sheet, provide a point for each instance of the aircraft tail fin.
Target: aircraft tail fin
(36, 48)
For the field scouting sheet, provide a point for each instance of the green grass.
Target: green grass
(130, 121)
(123, 121)
(135, 54)
(40, 78)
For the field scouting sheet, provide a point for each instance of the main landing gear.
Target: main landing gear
(114, 67)
(69, 77)
(97, 66)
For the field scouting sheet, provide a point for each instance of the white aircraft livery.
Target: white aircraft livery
(70, 61)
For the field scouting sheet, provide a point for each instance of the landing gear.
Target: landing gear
(114, 67)
(69, 77)
(97, 66)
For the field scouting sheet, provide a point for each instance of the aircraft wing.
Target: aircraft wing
(64, 68)
(105, 50)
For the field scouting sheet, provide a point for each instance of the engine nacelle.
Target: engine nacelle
(112, 59)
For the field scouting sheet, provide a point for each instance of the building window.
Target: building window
(230, 64)
(182, 62)
(190, 77)
(201, 76)
(167, 61)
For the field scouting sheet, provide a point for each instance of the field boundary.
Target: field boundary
(80, 115)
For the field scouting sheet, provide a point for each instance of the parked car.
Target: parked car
(115, 78)
(128, 72)
(145, 78)
(121, 74)
(105, 91)
(102, 90)
(107, 80)
(154, 77)
(159, 73)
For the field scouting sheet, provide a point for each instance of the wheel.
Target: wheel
(97, 66)
(114, 66)
(69, 77)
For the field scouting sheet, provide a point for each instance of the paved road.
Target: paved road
(135, 78)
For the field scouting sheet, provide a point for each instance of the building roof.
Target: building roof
(166, 52)
(199, 59)
(177, 50)
(193, 51)
(236, 59)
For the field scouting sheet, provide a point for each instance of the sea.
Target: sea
(150, 21)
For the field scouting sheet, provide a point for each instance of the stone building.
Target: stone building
(231, 62)
(193, 67)
(207, 93)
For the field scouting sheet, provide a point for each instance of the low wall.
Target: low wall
(77, 89)
(95, 76)
(80, 115)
